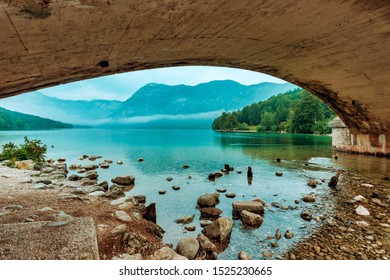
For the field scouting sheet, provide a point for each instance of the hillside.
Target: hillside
(10, 120)
(295, 111)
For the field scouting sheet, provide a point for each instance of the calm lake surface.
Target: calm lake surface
(303, 157)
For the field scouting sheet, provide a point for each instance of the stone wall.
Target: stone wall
(345, 141)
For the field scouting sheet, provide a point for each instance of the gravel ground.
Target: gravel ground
(19, 203)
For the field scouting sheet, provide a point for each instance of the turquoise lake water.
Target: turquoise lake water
(303, 157)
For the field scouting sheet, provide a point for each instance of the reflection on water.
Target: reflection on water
(165, 152)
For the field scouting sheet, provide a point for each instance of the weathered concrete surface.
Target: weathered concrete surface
(75, 240)
(345, 141)
(338, 50)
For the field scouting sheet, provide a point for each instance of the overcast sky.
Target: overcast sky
(122, 86)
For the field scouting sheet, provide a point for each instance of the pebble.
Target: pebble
(317, 249)
(230, 195)
(344, 249)
(359, 198)
(359, 256)
(190, 228)
(362, 224)
(366, 185)
(361, 211)
(370, 237)
(278, 234)
(119, 162)
(309, 198)
(278, 174)
(306, 215)
(161, 192)
(221, 190)
(288, 234)
(243, 256)
(275, 204)
(169, 179)
(274, 244)
(176, 188)
(267, 254)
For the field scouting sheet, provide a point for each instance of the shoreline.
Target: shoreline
(337, 237)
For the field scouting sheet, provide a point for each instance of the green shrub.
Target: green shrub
(30, 149)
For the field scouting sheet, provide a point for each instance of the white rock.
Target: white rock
(362, 224)
(360, 210)
(45, 209)
(119, 201)
(367, 185)
(123, 216)
(3, 212)
(97, 193)
(39, 186)
(118, 230)
(128, 257)
(360, 198)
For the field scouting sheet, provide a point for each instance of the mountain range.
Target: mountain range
(153, 105)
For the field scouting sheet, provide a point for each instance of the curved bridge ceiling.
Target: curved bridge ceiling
(338, 50)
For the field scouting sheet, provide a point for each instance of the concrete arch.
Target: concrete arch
(338, 50)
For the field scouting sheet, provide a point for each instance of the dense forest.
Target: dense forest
(10, 120)
(296, 111)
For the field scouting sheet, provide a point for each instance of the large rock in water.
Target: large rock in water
(251, 219)
(208, 200)
(188, 247)
(185, 220)
(250, 206)
(219, 230)
(210, 213)
(123, 180)
(92, 175)
(205, 243)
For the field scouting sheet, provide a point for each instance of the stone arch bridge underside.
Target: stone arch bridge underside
(337, 50)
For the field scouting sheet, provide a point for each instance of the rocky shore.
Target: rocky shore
(357, 228)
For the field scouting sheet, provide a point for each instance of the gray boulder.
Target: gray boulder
(188, 247)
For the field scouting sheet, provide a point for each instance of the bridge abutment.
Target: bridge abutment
(345, 141)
